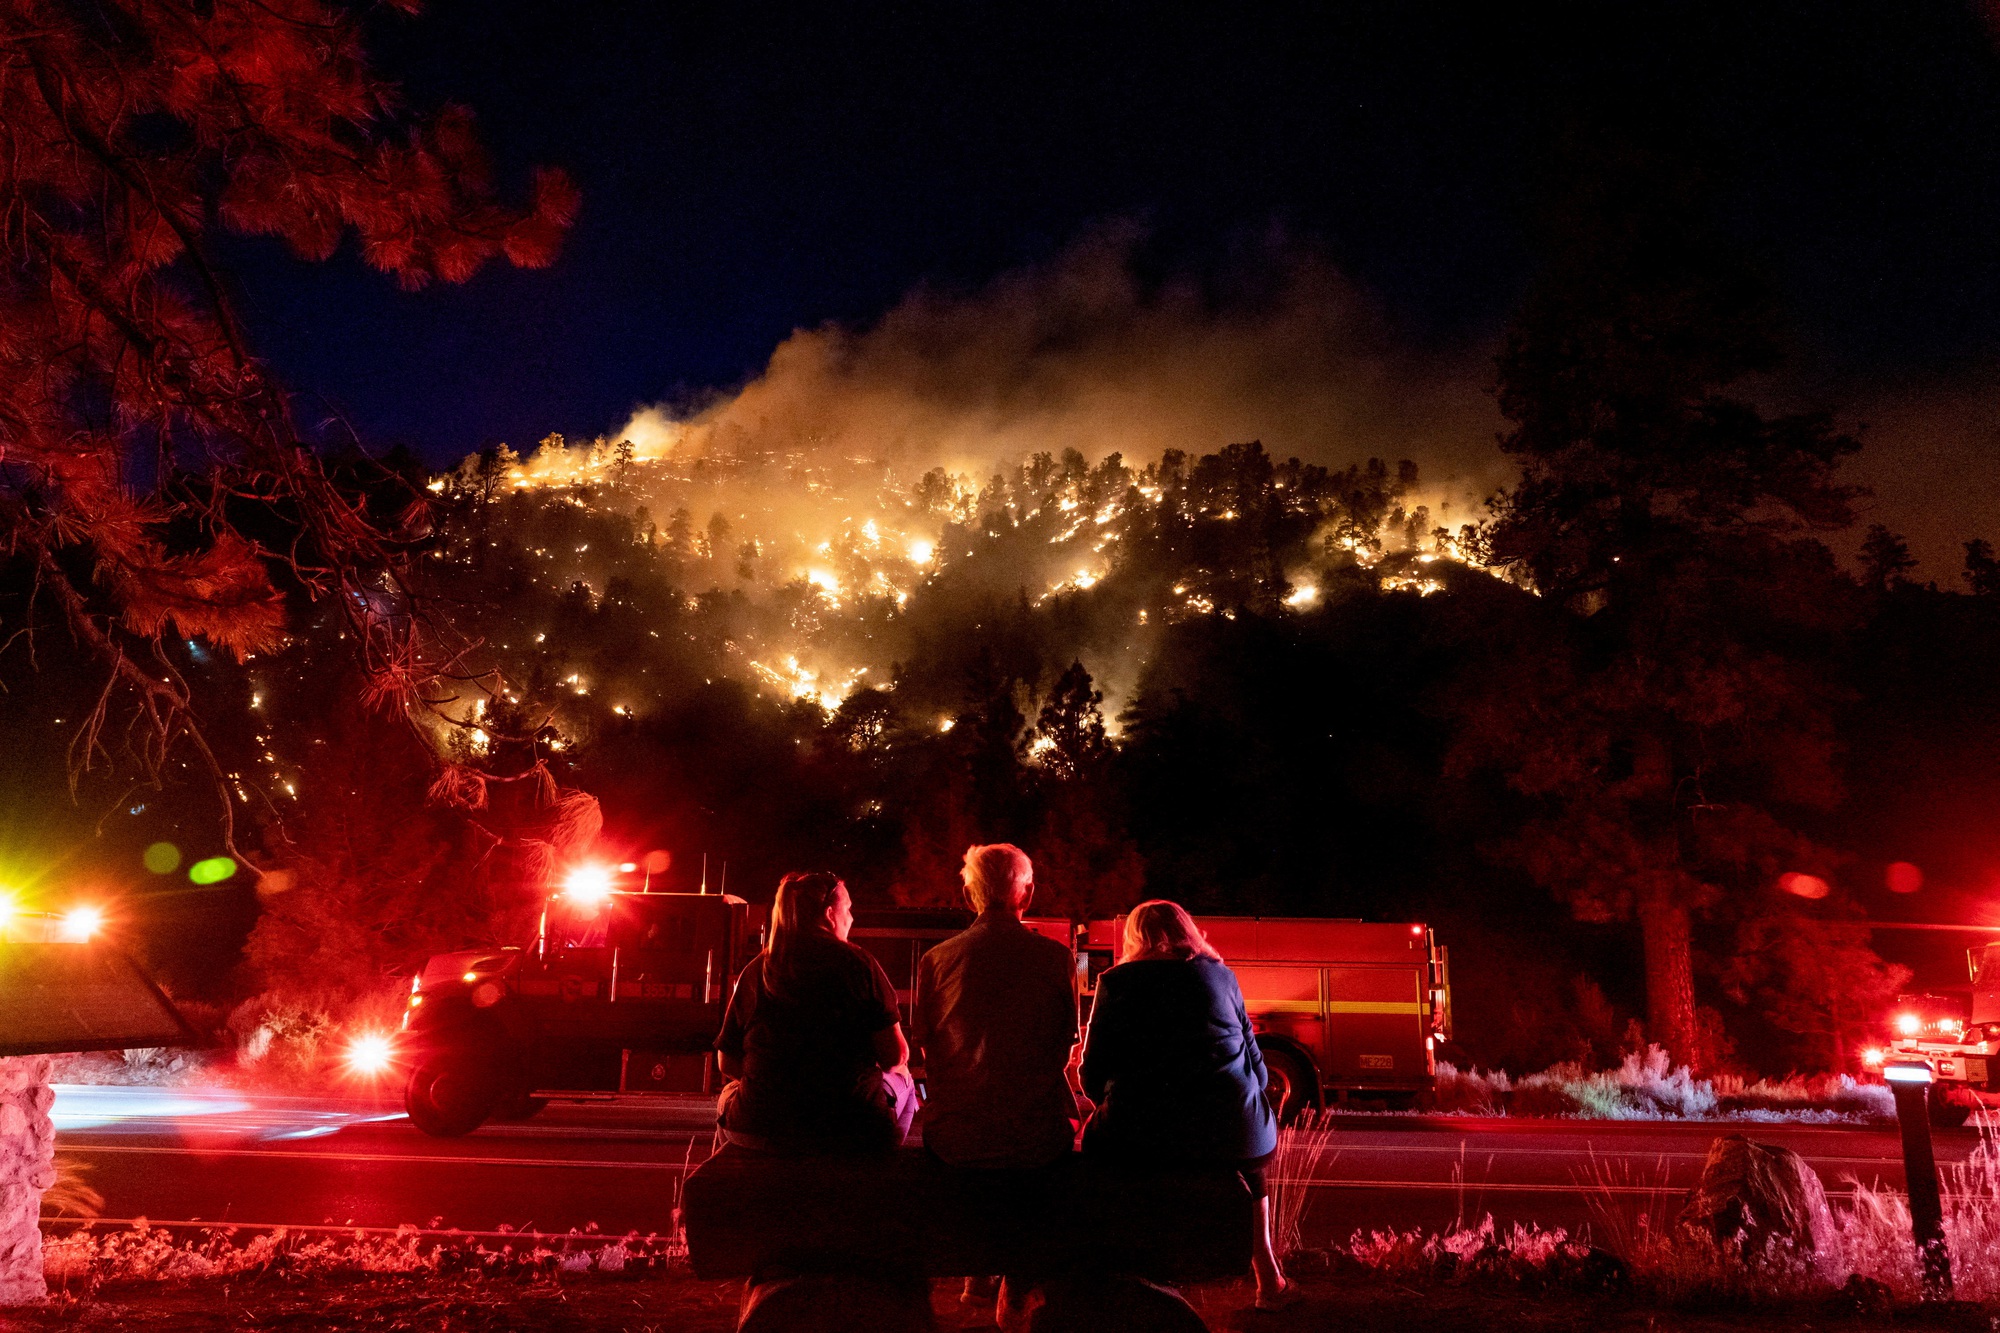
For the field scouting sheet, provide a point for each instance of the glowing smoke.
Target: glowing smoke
(1078, 353)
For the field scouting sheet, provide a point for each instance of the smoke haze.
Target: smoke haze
(1080, 353)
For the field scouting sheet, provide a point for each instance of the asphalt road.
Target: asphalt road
(174, 1155)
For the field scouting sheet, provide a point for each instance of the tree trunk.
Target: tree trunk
(27, 1169)
(1670, 1015)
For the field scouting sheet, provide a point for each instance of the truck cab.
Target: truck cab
(621, 991)
(1957, 1035)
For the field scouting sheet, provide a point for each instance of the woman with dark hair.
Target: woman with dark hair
(1174, 1068)
(812, 1038)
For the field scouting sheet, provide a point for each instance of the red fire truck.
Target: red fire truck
(622, 991)
(1344, 1009)
(1960, 1043)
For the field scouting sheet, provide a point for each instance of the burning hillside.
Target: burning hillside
(814, 577)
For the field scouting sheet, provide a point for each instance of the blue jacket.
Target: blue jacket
(1173, 1066)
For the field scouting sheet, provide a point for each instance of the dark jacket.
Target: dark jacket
(1173, 1066)
(996, 1018)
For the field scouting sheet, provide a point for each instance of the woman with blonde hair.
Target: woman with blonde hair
(1172, 1063)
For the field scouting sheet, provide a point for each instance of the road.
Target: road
(240, 1158)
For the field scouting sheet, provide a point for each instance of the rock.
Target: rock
(27, 1169)
(1868, 1296)
(1765, 1201)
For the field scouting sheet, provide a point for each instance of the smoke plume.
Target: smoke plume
(1081, 353)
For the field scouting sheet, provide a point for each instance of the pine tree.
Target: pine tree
(1069, 732)
(1885, 558)
(130, 133)
(1675, 522)
(1982, 570)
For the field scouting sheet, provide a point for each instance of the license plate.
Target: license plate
(1387, 1062)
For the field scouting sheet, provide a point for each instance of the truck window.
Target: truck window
(1986, 965)
(575, 927)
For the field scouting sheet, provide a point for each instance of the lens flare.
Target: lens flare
(369, 1054)
(588, 885)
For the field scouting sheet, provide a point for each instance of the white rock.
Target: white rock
(27, 1169)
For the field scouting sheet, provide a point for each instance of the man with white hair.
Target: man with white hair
(995, 1017)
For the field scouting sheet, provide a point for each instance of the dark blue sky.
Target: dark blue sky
(748, 169)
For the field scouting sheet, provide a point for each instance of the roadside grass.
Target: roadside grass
(88, 1259)
(1635, 1244)
(1649, 1086)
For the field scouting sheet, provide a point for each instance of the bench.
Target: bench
(836, 1243)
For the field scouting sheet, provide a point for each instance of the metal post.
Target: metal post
(1911, 1083)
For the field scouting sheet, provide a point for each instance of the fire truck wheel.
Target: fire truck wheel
(1949, 1109)
(1288, 1083)
(450, 1094)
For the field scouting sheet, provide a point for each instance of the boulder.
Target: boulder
(1766, 1202)
(27, 1169)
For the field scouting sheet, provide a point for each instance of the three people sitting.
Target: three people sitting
(813, 1040)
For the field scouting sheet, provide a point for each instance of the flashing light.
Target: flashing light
(80, 923)
(369, 1054)
(588, 886)
(1953, 1025)
(1416, 930)
(1907, 1071)
(469, 978)
(627, 867)
(1909, 1024)
(7, 909)
(1873, 1057)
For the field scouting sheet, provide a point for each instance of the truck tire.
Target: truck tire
(1949, 1109)
(1289, 1083)
(451, 1093)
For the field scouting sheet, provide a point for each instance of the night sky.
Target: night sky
(749, 170)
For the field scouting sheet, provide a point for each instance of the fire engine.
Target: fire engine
(623, 990)
(1343, 1009)
(1960, 1043)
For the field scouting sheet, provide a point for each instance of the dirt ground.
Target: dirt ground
(679, 1304)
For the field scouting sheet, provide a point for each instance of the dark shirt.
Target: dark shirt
(995, 1017)
(1173, 1065)
(806, 1049)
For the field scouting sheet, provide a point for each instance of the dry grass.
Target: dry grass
(1635, 1240)
(1303, 1148)
(82, 1261)
(1649, 1086)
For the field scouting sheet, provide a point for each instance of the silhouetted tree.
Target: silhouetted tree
(132, 133)
(1982, 570)
(1885, 558)
(1070, 729)
(1672, 520)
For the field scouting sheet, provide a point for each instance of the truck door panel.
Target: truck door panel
(1285, 1000)
(1375, 1026)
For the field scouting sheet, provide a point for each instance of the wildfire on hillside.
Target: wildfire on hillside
(811, 578)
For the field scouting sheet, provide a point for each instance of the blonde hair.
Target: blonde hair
(1161, 929)
(998, 875)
